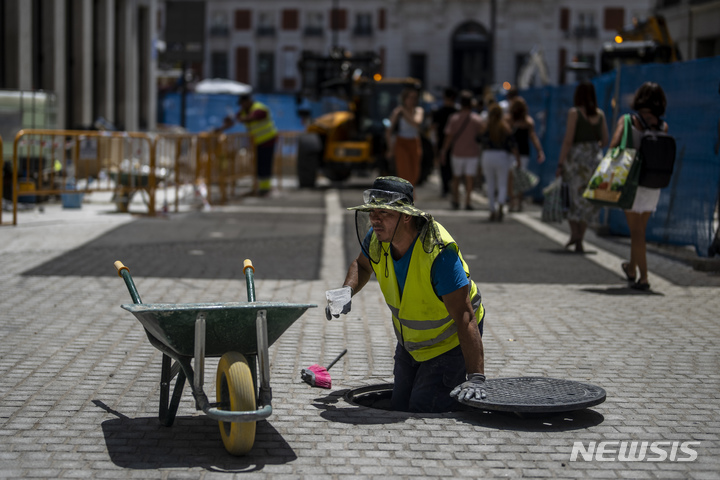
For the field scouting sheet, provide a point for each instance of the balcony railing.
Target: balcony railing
(219, 31)
(265, 31)
(362, 31)
(585, 32)
(313, 31)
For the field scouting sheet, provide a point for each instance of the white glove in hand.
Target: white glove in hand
(473, 388)
(338, 302)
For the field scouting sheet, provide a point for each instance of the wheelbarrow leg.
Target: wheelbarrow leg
(168, 410)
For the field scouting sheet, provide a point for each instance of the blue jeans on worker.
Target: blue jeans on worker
(425, 387)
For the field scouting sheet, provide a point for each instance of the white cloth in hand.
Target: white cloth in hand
(339, 301)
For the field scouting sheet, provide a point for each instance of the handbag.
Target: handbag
(523, 180)
(555, 203)
(615, 180)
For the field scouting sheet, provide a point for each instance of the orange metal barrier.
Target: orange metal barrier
(175, 155)
(240, 157)
(225, 159)
(2, 180)
(60, 162)
(55, 162)
(220, 162)
(285, 155)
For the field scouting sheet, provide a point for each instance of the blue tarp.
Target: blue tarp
(207, 111)
(685, 212)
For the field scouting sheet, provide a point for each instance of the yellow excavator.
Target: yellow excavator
(350, 139)
(643, 41)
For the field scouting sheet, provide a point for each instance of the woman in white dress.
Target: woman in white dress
(649, 102)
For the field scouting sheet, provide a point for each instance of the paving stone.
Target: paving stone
(79, 380)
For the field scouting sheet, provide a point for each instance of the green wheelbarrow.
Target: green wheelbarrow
(239, 333)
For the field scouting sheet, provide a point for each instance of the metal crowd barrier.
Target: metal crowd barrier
(69, 162)
(63, 162)
(285, 155)
(2, 180)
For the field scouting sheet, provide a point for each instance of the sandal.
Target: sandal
(630, 278)
(644, 286)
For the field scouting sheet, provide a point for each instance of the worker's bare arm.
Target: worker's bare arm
(358, 274)
(459, 306)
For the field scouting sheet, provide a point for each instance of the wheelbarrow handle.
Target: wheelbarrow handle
(124, 272)
(247, 263)
(249, 272)
(120, 267)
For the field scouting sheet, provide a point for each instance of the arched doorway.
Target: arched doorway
(471, 57)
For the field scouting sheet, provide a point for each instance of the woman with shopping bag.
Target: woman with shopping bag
(649, 103)
(585, 135)
(521, 179)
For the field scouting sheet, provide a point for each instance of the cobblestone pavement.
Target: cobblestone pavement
(79, 396)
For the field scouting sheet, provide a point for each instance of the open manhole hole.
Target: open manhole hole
(372, 396)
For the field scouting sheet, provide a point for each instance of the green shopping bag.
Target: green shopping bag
(615, 180)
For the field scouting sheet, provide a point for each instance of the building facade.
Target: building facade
(97, 56)
(465, 43)
(694, 25)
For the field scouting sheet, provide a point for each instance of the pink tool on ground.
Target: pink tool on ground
(318, 376)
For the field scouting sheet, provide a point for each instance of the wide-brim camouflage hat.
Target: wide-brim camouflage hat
(391, 193)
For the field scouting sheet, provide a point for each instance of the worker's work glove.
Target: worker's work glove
(473, 388)
(338, 302)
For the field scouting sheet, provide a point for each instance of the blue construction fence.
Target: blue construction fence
(684, 215)
(203, 112)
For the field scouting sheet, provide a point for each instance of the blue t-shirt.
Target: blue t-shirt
(447, 273)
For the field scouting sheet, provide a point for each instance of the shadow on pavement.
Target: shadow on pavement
(553, 422)
(142, 443)
(201, 245)
(621, 291)
(563, 251)
(335, 408)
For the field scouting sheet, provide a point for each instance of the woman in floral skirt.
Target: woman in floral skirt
(585, 136)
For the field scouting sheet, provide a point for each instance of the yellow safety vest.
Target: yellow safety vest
(261, 130)
(422, 322)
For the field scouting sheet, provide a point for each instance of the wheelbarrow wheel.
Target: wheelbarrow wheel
(235, 388)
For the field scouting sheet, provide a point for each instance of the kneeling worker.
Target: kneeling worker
(436, 308)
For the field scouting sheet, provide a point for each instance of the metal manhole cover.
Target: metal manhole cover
(537, 395)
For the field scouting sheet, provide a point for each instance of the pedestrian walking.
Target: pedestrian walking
(403, 136)
(460, 140)
(258, 120)
(523, 127)
(649, 102)
(439, 121)
(499, 151)
(586, 134)
(435, 306)
(511, 94)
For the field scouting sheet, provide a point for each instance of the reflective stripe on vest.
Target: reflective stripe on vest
(261, 130)
(422, 323)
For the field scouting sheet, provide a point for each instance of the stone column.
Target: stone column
(127, 92)
(151, 67)
(105, 60)
(81, 64)
(18, 45)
